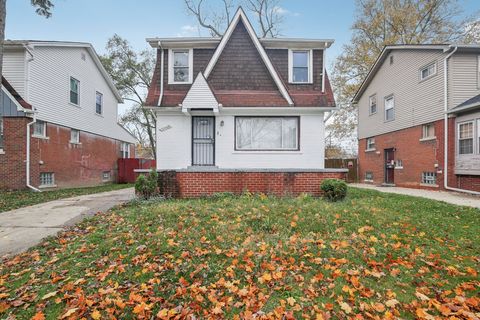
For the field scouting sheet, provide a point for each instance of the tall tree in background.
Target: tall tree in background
(215, 18)
(43, 8)
(132, 73)
(386, 22)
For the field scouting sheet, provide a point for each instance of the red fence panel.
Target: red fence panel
(126, 167)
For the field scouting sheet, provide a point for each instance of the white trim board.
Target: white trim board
(240, 15)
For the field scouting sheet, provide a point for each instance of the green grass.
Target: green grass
(380, 255)
(10, 200)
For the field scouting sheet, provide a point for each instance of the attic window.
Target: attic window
(300, 66)
(180, 62)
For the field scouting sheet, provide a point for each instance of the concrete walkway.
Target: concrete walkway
(461, 199)
(25, 227)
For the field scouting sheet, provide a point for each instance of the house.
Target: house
(240, 113)
(419, 118)
(61, 95)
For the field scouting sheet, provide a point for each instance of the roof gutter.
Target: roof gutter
(445, 133)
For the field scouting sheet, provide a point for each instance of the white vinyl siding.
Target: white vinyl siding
(463, 75)
(300, 64)
(466, 137)
(15, 70)
(266, 133)
(389, 108)
(180, 66)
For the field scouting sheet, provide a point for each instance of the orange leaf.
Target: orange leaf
(38, 316)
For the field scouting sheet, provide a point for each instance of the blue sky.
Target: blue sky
(95, 21)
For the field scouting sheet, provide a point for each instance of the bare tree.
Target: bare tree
(216, 18)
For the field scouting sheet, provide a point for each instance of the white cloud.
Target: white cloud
(187, 30)
(285, 12)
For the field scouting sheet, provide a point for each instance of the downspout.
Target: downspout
(323, 68)
(162, 62)
(29, 125)
(445, 133)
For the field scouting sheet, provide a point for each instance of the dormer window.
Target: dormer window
(300, 66)
(180, 62)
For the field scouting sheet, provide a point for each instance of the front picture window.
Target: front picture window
(266, 133)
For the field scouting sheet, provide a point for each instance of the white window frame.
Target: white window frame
(42, 135)
(70, 91)
(370, 104)
(473, 137)
(74, 139)
(385, 107)
(47, 185)
(171, 75)
(125, 150)
(429, 178)
(425, 135)
(101, 103)
(426, 67)
(297, 140)
(310, 65)
(370, 144)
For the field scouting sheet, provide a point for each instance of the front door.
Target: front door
(389, 166)
(203, 141)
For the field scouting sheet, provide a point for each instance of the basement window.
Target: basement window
(429, 178)
(106, 176)
(47, 179)
(369, 176)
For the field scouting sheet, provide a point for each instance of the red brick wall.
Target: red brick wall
(417, 156)
(73, 165)
(198, 184)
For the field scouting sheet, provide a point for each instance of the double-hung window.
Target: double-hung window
(300, 66)
(389, 108)
(125, 150)
(370, 144)
(40, 129)
(428, 131)
(98, 103)
(266, 133)
(465, 137)
(180, 63)
(74, 91)
(372, 104)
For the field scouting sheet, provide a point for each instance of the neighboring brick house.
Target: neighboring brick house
(416, 102)
(62, 95)
(241, 113)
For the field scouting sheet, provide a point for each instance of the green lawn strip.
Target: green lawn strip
(197, 253)
(10, 200)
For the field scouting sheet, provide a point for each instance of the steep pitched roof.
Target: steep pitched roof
(200, 96)
(8, 87)
(241, 16)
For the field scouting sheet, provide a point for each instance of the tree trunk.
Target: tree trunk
(3, 15)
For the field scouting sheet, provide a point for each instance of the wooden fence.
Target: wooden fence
(350, 164)
(126, 168)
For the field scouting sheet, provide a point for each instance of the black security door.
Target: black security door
(203, 141)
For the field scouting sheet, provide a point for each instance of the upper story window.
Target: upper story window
(428, 71)
(74, 91)
(428, 131)
(74, 136)
(1, 134)
(40, 129)
(389, 108)
(370, 144)
(266, 133)
(300, 66)
(98, 103)
(372, 104)
(180, 62)
(465, 138)
(125, 150)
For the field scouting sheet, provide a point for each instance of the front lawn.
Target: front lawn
(383, 256)
(10, 200)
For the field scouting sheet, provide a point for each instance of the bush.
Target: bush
(146, 186)
(334, 189)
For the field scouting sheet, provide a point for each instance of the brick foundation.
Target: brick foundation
(74, 165)
(194, 184)
(417, 157)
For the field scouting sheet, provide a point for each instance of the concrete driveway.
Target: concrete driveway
(25, 227)
(460, 199)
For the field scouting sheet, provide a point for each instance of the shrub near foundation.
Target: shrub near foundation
(334, 189)
(146, 186)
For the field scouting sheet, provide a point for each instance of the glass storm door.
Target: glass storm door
(203, 141)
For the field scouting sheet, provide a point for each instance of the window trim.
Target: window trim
(472, 121)
(310, 66)
(123, 150)
(101, 105)
(420, 71)
(70, 91)
(367, 147)
(73, 141)
(427, 138)
(171, 76)
(385, 108)
(266, 150)
(370, 113)
(41, 136)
